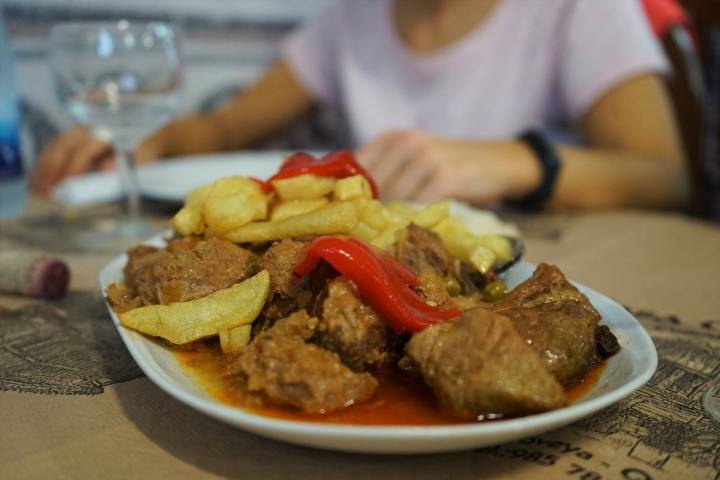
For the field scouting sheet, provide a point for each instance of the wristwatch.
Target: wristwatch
(549, 163)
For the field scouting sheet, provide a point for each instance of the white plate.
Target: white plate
(168, 180)
(626, 371)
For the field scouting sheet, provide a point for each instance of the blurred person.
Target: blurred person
(553, 102)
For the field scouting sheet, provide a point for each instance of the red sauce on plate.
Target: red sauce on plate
(591, 378)
(399, 400)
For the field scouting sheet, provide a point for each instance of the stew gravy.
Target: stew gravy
(399, 400)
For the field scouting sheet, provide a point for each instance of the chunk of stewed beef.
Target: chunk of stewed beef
(282, 366)
(287, 293)
(479, 365)
(279, 260)
(353, 329)
(557, 321)
(187, 269)
(423, 251)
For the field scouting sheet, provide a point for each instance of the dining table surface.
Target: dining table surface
(73, 403)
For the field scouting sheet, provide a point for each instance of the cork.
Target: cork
(33, 274)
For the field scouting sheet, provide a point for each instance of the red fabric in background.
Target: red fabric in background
(664, 14)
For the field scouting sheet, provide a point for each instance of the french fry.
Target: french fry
(360, 205)
(303, 187)
(197, 197)
(349, 188)
(482, 258)
(185, 322)
(371, 212)
(188, 221)
(232, 340)
(234, 184)
(450, 226)
(232, 211)
(468, 249)
(459, 245)
(401, 209)
(390, 235)
(336, 217)
(499, 245)
(364, 232)
(224, 204)
(375, 215)
(431, 215)
(293, 208)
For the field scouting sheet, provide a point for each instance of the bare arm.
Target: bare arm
(271, 104)
(634, 155)
(633, 158)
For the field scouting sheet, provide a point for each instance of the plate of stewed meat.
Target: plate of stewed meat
(302, 308)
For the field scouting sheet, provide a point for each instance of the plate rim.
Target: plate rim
(279, 428)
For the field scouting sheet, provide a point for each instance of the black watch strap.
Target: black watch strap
(550, 164)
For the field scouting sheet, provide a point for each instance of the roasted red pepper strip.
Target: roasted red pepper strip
(383, 282)
(336, 164)
(299, 159)
(264, 186)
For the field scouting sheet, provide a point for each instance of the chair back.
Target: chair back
(687, 91)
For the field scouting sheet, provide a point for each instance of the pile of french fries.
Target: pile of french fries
(236, 208)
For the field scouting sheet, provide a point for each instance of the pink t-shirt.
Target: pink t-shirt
(529, 64)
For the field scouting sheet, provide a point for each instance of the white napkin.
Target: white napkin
(89, 189)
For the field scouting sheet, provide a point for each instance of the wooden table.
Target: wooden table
(74, 405)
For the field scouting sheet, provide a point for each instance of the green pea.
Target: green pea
(452, 286)
(495, 291)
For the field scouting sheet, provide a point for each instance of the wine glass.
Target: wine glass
(121, 80)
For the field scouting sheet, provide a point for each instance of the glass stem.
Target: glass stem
(128, 176)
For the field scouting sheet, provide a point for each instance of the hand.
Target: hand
(71, 153)
(416, 166)
(77, 151)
